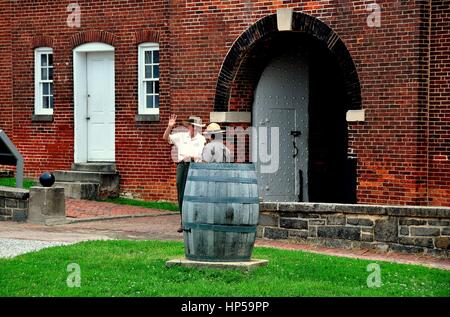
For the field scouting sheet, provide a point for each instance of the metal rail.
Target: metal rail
(9, 155)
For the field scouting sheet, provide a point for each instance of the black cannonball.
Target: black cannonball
(47, 179)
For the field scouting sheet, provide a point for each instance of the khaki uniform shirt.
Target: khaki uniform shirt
(216, 152)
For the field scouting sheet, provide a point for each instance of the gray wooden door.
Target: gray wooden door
(281, 100)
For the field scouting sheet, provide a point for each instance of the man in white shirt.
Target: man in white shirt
(190, 146)
(215, 151)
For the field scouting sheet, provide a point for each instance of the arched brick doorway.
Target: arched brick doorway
(326, 173)
(266, 26)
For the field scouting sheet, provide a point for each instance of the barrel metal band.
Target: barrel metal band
(223, 200)
(223, 166)
(223, 179)
(219, 228)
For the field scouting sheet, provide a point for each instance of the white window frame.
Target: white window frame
(38, 95)
(142, 109)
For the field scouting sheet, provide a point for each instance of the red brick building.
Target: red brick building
(376, 93)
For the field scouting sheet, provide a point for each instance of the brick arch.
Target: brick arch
(92, 36)
(147, 35)
(301, 22)
(41, 41)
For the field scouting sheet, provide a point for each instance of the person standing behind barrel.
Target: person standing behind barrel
(190, 146)
(215, 151)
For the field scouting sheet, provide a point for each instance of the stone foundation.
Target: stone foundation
(423, 230)
(45, 205)
(13, 203)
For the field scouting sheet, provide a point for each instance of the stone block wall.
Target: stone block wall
(13, 203)
(423, 230)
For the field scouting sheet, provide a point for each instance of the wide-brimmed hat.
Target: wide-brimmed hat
(213, 128)
(195, 121)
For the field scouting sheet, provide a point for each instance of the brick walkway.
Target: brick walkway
(94, 209)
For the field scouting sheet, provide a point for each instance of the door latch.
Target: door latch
(88, 118)
(295, 134)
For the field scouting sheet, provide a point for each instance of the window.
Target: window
(43, 61)
(148, 86)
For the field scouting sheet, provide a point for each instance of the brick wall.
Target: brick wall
(6, 68)
(439, 108)
(49, 145)
(389, 145)
(195, 37)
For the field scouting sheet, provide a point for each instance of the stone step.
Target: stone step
(80, 190)
(94, 167)
(108, 182)
(83, 176)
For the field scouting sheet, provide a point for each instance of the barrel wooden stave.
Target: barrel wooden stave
(213, 245)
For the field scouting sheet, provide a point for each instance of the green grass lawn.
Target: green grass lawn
(137, 268)
(147, 204)
(11, 182)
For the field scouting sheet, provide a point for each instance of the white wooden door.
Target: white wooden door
(100, 107)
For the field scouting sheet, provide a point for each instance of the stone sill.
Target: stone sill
(147, 118)
(409, 211)
(42, 118)
(16, 193)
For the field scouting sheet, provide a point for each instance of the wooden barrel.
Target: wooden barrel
(220, 212)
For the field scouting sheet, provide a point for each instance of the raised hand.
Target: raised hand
(172, 120)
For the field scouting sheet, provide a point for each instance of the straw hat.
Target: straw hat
(195, 121)
(213, 128)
